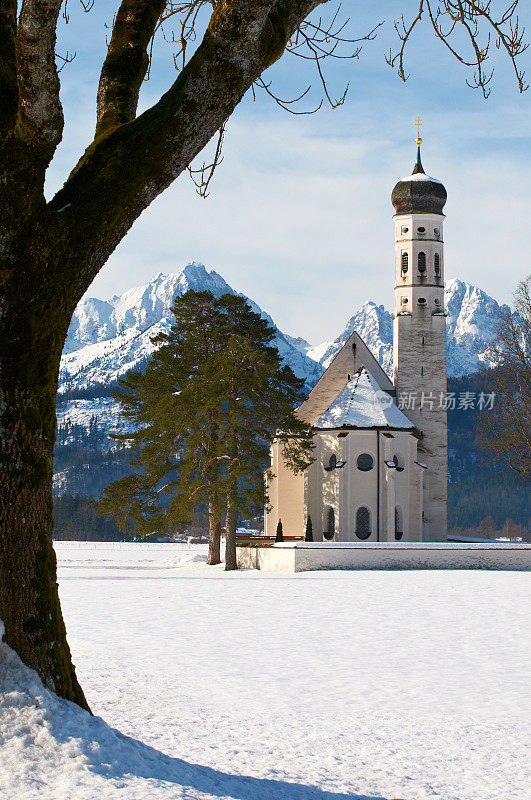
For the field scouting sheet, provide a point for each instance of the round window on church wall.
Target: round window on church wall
(365, 462)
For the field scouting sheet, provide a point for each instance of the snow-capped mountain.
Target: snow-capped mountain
(470, 326)
(107, 338)
(375, 326)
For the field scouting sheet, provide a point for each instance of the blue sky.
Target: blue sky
(299, 216)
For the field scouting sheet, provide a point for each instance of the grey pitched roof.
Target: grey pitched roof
(362, 404)
(353, 355)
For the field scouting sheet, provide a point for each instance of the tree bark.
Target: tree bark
(32, 335)
(230, 535)
(214, 535)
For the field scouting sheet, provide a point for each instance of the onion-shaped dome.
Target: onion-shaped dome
(418, 193)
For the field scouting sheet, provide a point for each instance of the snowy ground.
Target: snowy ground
(314, 686)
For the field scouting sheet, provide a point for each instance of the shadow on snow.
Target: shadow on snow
(115, 756)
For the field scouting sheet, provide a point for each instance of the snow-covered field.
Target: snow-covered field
(318, 686)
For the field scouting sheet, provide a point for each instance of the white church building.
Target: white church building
(381, 453)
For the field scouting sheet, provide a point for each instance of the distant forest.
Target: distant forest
(479, 489)
(484, 499)
(75, 519)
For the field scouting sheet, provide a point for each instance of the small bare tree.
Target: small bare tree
(505, 432)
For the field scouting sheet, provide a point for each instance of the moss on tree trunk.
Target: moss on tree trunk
(29, 601)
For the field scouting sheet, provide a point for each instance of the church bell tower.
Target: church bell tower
(419, 332)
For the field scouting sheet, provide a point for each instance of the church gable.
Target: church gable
(351, 358)
(359, 405)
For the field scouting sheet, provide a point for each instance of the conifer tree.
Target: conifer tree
(174, 428)
(309, 530)
(260, 395)
(280, 535)
(213, 396)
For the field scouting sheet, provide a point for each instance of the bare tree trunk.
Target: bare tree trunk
(214, 534)
(230, 536)
(29, 600)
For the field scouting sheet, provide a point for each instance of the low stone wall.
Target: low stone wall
(268, 559)
(305, 556)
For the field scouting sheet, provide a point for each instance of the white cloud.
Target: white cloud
(299, 216)
(302, 223)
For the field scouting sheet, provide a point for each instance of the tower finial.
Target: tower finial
(418, 123)
(418, 141)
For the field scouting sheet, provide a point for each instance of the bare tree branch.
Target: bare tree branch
(64, 60)
(206, 171)
(505, 432)
(126, 63)
(316, 42)
(136, 161)
(186, 16)
(284, 103)
(477, 21)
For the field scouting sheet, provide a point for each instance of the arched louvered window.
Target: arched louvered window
(437, 263)
(363, 523)
(422, 262)
(398, 460)
(330, 462)
(329, 533)
(399, 524)
(405, 262)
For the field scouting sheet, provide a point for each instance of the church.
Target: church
(381, 451)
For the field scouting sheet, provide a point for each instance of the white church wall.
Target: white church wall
(361, 488)
(348, 488)
(401, 486)
(329, 445)
(286, 497)
(312, 492)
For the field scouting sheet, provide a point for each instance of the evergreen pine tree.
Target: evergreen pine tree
(309, 530)
(203, 414)
(280, 536)
(260, 395)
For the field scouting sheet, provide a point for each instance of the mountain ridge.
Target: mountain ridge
(107, 338)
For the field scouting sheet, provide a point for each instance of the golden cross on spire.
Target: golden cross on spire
(418, 123)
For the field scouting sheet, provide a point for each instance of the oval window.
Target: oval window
(420, 229)
(422, 301)
(365, 462)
